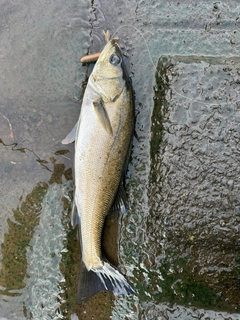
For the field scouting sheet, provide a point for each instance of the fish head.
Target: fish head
(108, 77)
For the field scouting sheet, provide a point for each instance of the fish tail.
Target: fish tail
(104, 278)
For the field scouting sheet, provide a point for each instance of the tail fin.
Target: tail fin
(105, 278)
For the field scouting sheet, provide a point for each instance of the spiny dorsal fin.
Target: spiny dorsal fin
(102, 115)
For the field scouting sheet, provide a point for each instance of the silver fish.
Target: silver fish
(102, 137)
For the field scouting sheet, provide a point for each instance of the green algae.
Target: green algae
(16, 240)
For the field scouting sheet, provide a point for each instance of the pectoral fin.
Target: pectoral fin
(71, 136)
(102, 115)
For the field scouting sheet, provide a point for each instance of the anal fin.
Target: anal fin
(120, 202)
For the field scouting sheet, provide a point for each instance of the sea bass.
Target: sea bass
(102, 137)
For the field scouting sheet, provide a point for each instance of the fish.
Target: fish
(103, 140)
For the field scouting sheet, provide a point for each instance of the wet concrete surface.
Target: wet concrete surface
(179, 242)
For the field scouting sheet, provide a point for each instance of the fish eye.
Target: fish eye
(115, 59)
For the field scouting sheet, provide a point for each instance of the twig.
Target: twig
(10, 126)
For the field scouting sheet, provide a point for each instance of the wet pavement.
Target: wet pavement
(179, 242)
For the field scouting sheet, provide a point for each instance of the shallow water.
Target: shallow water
(179, 242)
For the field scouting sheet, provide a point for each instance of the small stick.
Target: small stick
(90, 58)
(107, 35)
(10, 126)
